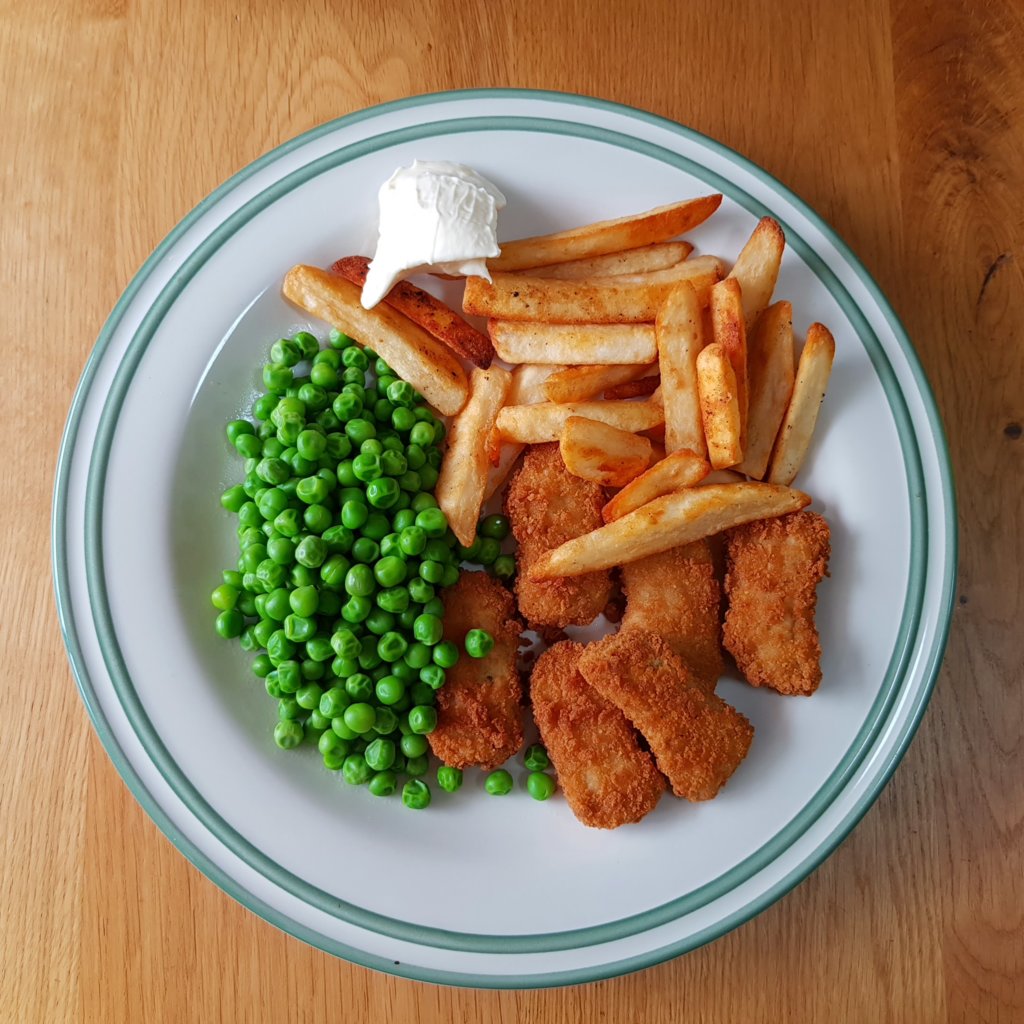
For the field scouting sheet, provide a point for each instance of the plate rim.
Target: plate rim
(944, 482)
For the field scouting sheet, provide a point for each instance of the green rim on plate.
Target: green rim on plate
(419, 934)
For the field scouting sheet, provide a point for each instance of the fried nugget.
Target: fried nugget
(479, 718)
(696, 738)
(677, 595)
(773, 570)
(606, 778)
(546, 506)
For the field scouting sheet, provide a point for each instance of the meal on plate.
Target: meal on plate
(613, 441)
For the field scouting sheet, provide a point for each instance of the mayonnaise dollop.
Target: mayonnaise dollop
(435, 216)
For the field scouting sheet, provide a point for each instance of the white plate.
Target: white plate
(478, 891)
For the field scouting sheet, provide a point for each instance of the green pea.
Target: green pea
(494, 526)
(536, 758)
(313, 670)
(450, 576)
(432, 521)
(310, 444)
(233, 498)
(489, 551)
(281, 550)
(417, 765)
(389, 690)
(338, 339)
(449, 778)
(304, 601)
(389, 546)
(317, 518)
(339, 539)
(365, 550)
(359, 430)
(479, 643)
(288, 734)
(312, 490)
(383, 783)
(247, 641)
(417, 655)
(272, 686)
(263, 631)
(428, 629)
(336, 444)
(382, 493)
(359, 582)
(261, 666)
(421, 693)
(433, 675)
(311, 552)
(372, 446)
(287, 523)
(277, 378)
(389, 571)
(366, 467)
(355, 358)
(539, 785)
(224, 597)
(391, 646)
(403, 419)
(377, 526)
(356, 609)
(330, 605)
(345, 475)
(318, 649)
(428, 477)
(380, 754)
(422, 434)
(359, 687)
(334, 570)
(229, 624)
(359, 717)
(345, 643)
(355, 769)
(354, 514)
(393, 599)
(445, 654)
(412, 540)
(415, 456)
(432, 572)
(289, 677)
(264, 406)
(323, 375)
(414, 744)
(331, 743)
(285, 352)
(380, 622)
(248, 446)
(504, 567)
(498, 783)
(342, 668)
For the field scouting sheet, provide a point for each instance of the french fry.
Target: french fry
(633, 388)
(578, 383)
(602, 453)
(536, 424)
(719, 407)
(657, 225)
(729, 330)
(576, 344)
(428, 312)
(680, 335)
(627, 298)
(678, 469)
(770, 368)
(722, 476)
(667, 522)
(812, 375)
(757, 267)
(632, 261)
(463, 476)
(414, 355)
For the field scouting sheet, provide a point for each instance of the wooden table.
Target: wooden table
(902, 122)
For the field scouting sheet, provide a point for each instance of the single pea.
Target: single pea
(334, 571)
(249, 514)
(431, 571)
(359, 687)
(342, 668)
(445, 654)
(248, 445)
(360, 429)
(310, 444)
(479, 643)
(437, 551)
(263, 631)
(432, 521)
(383, 783)
(339, 339)
(389, 690)
(371, 446)
(450, 576)
(421, 502)
(317, 722)
(317, 518)
(345, 643)
(289, 676)
(272, 686)
(341, 730)
(355, 358)
(355, 769)
(355, 609)
(336, 444)
(247, 641)
(433, 676)
(489, 551)
(285, 352)
(309, 696)
(224, 597)
(318, 650)
(311, 552)
(494, 526)
(415, 456)
(330, 605)
(345, 475)
(428, 474)
(392, 646)
(428, 629)
(422, 434)
(234, 498)
(405, 672)
(281, 550)
(449, 778)
(277, 378)
(536, 758)
(229, 624)
(287, 523)
(354, 514)
(308, 343)
(365, 550)
(312, 670)
(264, 406)
(304, 601)
(382, 493)
(389, 545)
(288, 709)
(380, 754)
(323, 375)
(331, 743)
(359, 582)
(403, 419)
(498, 783)
(353, 376)
(421, 693)
(417, 655)
(416, 794)
(539, 785)
(413, 744)
(366, 467)
(416, 766)
(314, 396)
(412, 540)
(359, 717)
(288, 734)
(379, 622)
(389, 571)
(377, 527)
(261, 666)
(312, 490)
(504, 567)
(339, 539)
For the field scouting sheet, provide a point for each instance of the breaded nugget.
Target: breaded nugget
(676, 594)
(696, 738)
(546, 506)
(479, 718)
(773, 570)
(606, 778)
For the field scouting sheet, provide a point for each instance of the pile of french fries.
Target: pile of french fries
(665, 376)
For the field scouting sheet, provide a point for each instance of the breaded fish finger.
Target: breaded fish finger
(479, 718)
(606, 778)
(696, 738)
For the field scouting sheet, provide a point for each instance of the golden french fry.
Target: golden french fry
(719, 406)
(602, 453)
(678, 469)
(536, 424)
(627, 298)
(632, 261)
(812, 375)
(463, 476)
(638, 388)
(757, 267)
(729, 330)
(657, 225)
(680, 335)
(413, 354)
(673, 519)
(576, 344)
(770, 369)
(578, 383)
(529, 381)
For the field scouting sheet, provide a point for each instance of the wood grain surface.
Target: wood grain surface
(901, 121)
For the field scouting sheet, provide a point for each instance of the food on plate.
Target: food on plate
(434, 215)
(601, 453)
(757, 267)
(719, 406)
(479, 717)
(639, 388)
(678, 469)
(625, 298)
(729, 330)
(812, 374)
(415, 355)
(631, 261)
(680, 334)
(580, 383)
(773, 571)
(608, 236)
(536, 424)
(770, 367)
(677, 595)
(607, 778)
(673, 519)
(546, 506)
(697, 740)
(426, 311)
(464, 471)
(521, 341)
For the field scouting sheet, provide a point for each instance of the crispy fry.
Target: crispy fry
(428, 312)
(606, 778)
(578, 383)
(633, 389)
(812, 375)
(415, 355)
(680, 334)
(596, 451)
(575, 344)
(657, 225)
(673, 519)
(719, 406)
(770, 365)
(697, 739)
(463, 476)
(757, 267)
(632, 261)
(628, 298)
(729, 331)
(535, 424)
(678, 469)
